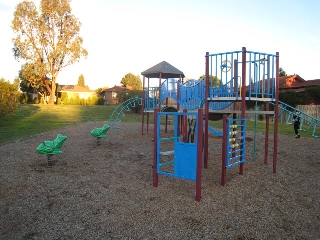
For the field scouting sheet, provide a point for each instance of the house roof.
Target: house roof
(74, 88)
(295, 81)
(117, 89)
(166, 70)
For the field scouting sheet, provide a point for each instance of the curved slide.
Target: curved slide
(215, 132)
(212, 130)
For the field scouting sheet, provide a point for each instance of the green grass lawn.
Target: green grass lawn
(32, 119)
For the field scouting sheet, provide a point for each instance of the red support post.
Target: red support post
(224, 151)
(148, 105)
(166, 125)
(155, 140)
(199, 154)
(276, 116)
(243, 85)
(147, 122)
(243, 94)
(266, 142)
(206, 132)
(180, 125)
(160, 76)
(142, 102)
(178, 105)
(184, 127)
(234, 115)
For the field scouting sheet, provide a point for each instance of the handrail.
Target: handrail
(306, 119)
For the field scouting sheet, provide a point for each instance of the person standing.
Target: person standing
(296, 124)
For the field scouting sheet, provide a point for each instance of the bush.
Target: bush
(23, 98)
(292, 98)
(313, 95)
(9, 97)
(64, 97)
(94, 100)
(100, 100)
(36, 100)
(30, 99)
(82, 101)
(76, 100)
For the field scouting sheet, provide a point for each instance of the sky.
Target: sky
(130, 36)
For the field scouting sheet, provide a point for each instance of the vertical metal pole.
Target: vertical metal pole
(160, 76)
(167, 101)
(224, 151)
(148, 104)
(276, 119)
(206, 132)
(147, 122)
(180, 124)
(142, 111)
(266, 143)
(267, 89)
(178, 105)
(199, 154)
(243, 94)
(155, 142)
(243, 87)
(235, 85)
(185, 126)
(234, 115)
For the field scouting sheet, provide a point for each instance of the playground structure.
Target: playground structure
(230, 78)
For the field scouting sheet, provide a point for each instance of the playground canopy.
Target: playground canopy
(166, 70)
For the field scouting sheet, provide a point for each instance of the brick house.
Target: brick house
(110, 94)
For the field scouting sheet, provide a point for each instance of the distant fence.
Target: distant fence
(312, 110)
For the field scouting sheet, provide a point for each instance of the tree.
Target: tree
(48, 39)
(282, 72)
(16, 82)
(215, 80)
(130, 80)
(30, 80)
(8, 98)
(81, 82)
(125, 95)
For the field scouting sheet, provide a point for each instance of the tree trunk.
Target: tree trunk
(53, 91)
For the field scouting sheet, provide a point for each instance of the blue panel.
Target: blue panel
(185, 160)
